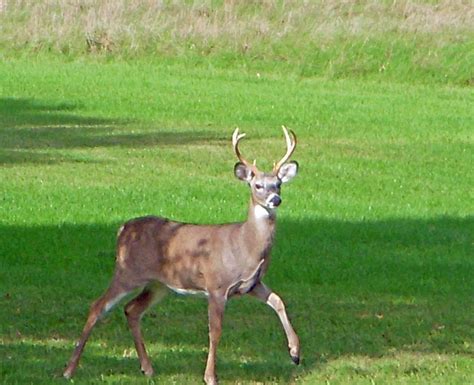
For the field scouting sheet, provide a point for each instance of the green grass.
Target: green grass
(375, 236)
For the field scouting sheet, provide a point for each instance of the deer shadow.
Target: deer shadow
(33, 131)
(351, 288)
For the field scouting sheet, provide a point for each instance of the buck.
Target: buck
(221, 261)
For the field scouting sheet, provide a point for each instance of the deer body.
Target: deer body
(219, 261)
(195, 258)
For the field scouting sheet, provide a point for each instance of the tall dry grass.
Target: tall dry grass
(289, 31)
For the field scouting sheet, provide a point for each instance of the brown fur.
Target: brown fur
(182, 257)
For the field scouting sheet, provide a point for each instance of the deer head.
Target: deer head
(265, 187)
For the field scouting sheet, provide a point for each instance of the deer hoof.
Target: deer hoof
(295, 354)
(67, 374)
(148, 371)
(211, 380)
(295, 359)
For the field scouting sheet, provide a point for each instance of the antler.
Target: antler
(236, 137)
(290, 147)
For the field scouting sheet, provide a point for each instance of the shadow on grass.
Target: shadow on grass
(32, 131)
(352, 288)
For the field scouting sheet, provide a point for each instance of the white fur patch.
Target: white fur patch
(109, 305)
(188, 292)
(269, 200)
(271, 300)
(261, 212)
(120, 230)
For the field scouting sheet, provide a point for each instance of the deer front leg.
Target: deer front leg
(264, 294)
(216, 312)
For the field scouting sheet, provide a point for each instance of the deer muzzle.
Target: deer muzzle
(274, 200)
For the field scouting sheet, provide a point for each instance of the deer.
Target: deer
(155, 254)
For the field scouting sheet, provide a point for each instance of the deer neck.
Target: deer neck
(259, 229)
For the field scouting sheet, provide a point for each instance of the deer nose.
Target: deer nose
(275, 201)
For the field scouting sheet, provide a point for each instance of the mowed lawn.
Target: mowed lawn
(374, 249)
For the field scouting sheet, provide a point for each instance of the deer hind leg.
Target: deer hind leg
(102, 305)
(134, 310)
(264, 294)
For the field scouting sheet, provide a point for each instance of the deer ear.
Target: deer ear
(288, 171)
(242, 172)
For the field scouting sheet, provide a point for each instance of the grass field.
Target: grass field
(375, 237)
(374, 244)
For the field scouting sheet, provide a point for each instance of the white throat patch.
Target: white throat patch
(261, 212)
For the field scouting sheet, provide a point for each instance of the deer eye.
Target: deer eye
(258, 186)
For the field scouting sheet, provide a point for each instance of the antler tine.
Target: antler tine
(236, 137)
(290, 147)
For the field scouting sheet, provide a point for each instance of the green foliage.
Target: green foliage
(374, 246)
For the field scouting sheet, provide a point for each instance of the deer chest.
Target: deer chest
(243, 286)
